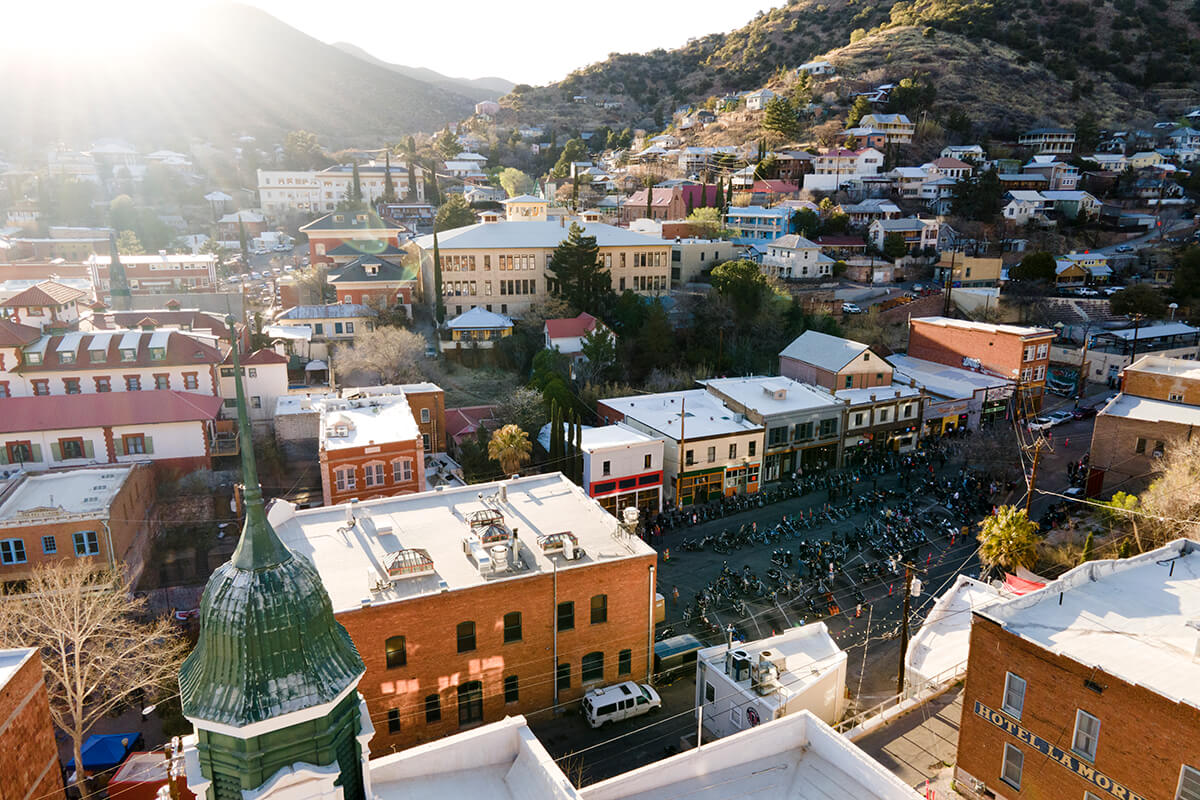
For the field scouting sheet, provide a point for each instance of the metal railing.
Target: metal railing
(938, 681)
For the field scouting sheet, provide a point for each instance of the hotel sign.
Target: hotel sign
(1066, 759)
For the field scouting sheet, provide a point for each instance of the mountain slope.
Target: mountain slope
(236, 69)
(1145, 51)
(473, 88)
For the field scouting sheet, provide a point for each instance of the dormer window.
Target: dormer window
(158, 353)
(97, 356)
(66, 357)
(33, 358)
(128, 355)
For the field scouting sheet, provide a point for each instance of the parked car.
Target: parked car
(430, 351)
(1086, 291)
(1059, 417)
(618, 702)
(281, 248)
(1041, 424)
(1111, 290)
(1085, 412)
(851, 308)
(1123, 248)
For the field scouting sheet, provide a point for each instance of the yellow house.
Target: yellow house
(1145, 159)
(968, 271)
(478, 327)
(1080, 268)
(503, 267)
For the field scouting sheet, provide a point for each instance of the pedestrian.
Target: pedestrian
(1066, 441)
(675, 595)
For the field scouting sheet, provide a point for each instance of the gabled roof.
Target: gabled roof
(1025, 196)
(822, 350)
(187, 318)
(793, 242)
(350, 220)
(179, 349)
(359, 247)
(46, 293)
(258, 357)
(386, 271)
(478, 318)
(523, 198)
(945, 162)
(14, 334)
(107, 409)
(329, 311)
(568, 328)
(777, 187)
(533, 234)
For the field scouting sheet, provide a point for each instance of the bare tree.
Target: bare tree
(394, 354)
(1172, 501)
(523, 407)
(99, 651)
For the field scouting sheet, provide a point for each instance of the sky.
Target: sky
(525, 42)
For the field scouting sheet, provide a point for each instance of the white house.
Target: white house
(838, 166)
(622, 466)
(265, 381)
(898, 128)
(916, 232)
(795, 257)
(567, 335)
(1023, 205)
(742, 685)
(816, 68)
(756, 101)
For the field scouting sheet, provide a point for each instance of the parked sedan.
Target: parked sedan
(1084, 413)
(1088, 292)
(1041, 424)
(851, 308)
(1059, 417)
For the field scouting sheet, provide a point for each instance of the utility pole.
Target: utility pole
(949, 281)
(1082, 384)
(1037, 454)
(909, 569)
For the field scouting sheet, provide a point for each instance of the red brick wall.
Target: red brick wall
(1144, 737)
(389, 295)
(434, 666)
(28, 756)
(358, 457)
(1160, 387)
(999, 352)
(435, 429)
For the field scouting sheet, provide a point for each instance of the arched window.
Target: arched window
(470, 702)
(397, 653)
(593, 667)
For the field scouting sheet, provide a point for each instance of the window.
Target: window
(319, 328)
(1087, 734)
(689, 458)
(401, 470)
(230, 402)
(466, 637)
(397, 653)
(41, 387)
(255, 401)
(599, 608)
(49, 545)
(563, 677)
(373, 475)
(710, 694)
(71, 385)
(593, 667)
(1039, 372)
(134, 444)
(424, 415)
(883, 415)
(190, 381)
(1043, 350)
(512, 689)
(20, 453)
(393, 720)
(858, 419)
(712, 454)
(103, 385)
(1029, 352)
(133, 383)
(344, 479)
(162, 382)
(752, 446)
(129, 355)
(1010, 770)
(566, 616)
(1189, 784)
(12, 551)
(512, 627)
(646, 462)
(470, 702)
(606, 468)
(849, 381)
(433, 708)
(71, 448)
(87, 543)
(425, 441)
(350, 325)
(624, 662)
(1014, 695)
(1175, 397)
(97, 356)
(253, 372)
(1141, 445)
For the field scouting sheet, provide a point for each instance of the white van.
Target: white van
(620, 701)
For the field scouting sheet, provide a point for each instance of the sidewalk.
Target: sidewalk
(921, 745)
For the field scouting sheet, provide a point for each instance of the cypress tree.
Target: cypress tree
(720, 203)
(411, 194)
(242, 243)
(440, 307)
(389, 188)
(704, 194)
(690, 208)
(650, 201)
(355, 196)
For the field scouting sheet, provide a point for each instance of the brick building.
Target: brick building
(29, 766)
(1088, 688)
(158, 273)
(1159, 403)
(98, 513)
(833, 363)
(1009, 351)
(49, 305)
(371, 280)
(475, 603)
(369, 446)
(365, 230)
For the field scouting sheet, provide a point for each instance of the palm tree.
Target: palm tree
(511, 447)
(1009, 539)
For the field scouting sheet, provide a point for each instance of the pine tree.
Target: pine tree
(703, 195)
(354, 197)
(650, 201)
(440, 307)
(578, 276)
(389, 188)
(720, 204)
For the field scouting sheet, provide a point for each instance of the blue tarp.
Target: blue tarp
(104, 751)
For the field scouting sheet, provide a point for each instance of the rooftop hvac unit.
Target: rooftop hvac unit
(474, 549)
(739, 661)
(764, 674)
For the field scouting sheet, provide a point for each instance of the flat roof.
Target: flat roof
(773, 395)
(878, 394)
(1129, 406)
(353, 560)
(986, 327)
(796, 757)
(533, 233)
(1133, 618)
(943, 380)
(803, 655)
(694, 412)
(300, 403)
(1160, 365)
(366, 420)
(56, 494)
(619, 435)
(943, 641)
(1152, 331)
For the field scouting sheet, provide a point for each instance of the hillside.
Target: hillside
(477, 89)
(1126, 60)
(237, 69)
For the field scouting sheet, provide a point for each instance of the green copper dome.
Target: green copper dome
(269, 644)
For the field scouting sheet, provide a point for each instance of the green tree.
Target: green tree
(128, 244)
(1087, 133)
(454, 213)
(243, 241)
(707, 223)
(978, 197)
(446, 143)
(894, 246)
(1009, 539)
(515, 182)
(122, 216)
(655, 346)
(302, 151)
(578, 275)
(720, 204)
(861, 107)
(1037, 266)
(1140, 298)
(599, 348)
(573, 150)
(742, 282)
(510, 446)
(650, 201)
(389, 186)
(440, 302)
(1187, 275)
(806, 222)
(354, 195)
(1088, 550)
(779, 117)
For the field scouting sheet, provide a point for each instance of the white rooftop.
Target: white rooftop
(824, 351)
(353, 560)
(1153, 331)
(300, 403)
(1132, 618)
(878, 394)
(804, 655)
(366, 421)
(942, 380)
(533, 233)
(943, 641)
(1128, 406)
(773, 395)
(609, 436)
(479, 318)
(74, 492)
(796, 757)
(12, 660)
(986, 327)
(1175, 367)
(698, 413)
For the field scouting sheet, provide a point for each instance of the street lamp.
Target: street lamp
(1173, 307)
